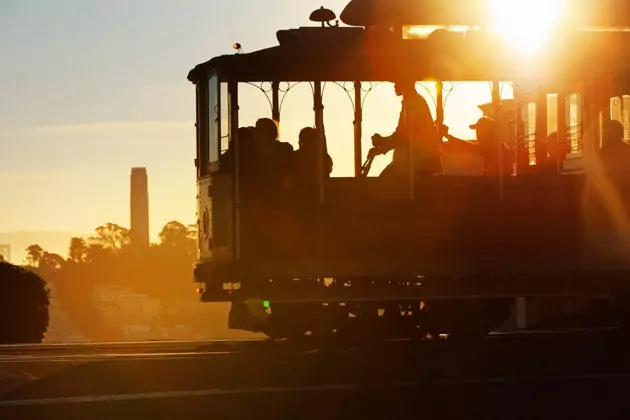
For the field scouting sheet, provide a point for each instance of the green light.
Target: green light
(266, 303)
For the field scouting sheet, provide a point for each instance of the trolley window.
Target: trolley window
(214, 134)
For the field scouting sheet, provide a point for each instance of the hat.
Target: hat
(481, 122)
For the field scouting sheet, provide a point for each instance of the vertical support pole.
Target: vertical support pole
(410, 157)
(358, 130)
(439, 101)
(275, 104)
(236, 165)
(498, 143)
(562, 121)
(318, 107)
(439, 116)
(540, 136)
(592, 100)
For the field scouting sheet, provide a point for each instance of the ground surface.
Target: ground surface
(512, 376)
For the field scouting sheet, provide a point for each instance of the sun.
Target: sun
(526, 25)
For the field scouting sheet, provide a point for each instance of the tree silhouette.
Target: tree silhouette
(50, 261)
(178, 236)
(24, 303)
(78, 250)
(34, 254)
(112, 236)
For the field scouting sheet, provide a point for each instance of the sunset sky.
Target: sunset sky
(89, 89)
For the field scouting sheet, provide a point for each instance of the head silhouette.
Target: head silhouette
(404, 85)
(266, 130)
(307, 138)
(613, 133)
(484, 127)
(246, 136)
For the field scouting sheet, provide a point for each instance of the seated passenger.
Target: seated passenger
(305, 158)
(246, 141)
(273, 156)
(483, 146)
(615, 152)
(556, 154)
(247, 152)
(285, 158)
(266, 137)
(415, 126)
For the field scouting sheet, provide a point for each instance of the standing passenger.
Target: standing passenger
(416, 131)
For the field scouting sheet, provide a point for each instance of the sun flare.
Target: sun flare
(526, 25)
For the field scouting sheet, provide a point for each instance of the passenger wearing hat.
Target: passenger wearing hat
(415, 126)
(483, 146)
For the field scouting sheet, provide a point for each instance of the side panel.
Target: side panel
(222, 217)
(214, 210)
(204, 220)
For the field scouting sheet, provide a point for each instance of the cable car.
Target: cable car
(445, 253)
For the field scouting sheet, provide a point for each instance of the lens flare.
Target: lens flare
(526, 25)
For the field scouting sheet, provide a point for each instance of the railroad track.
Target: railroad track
(184, 347)
(235, 378)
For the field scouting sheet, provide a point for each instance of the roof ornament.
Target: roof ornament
(324, 16)
(237, 46)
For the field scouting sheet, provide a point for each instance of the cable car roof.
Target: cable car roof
(351, 53)
(590, 13)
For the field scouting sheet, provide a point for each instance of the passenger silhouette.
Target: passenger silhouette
(247, 152)
(415, 131)
(483, 146)
(273, 157)
(615, 152)
(305, 158)
(556, 153)
(246, 142)
(266, 136)
(285, 158)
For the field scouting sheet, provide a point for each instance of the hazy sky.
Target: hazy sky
(89, 89)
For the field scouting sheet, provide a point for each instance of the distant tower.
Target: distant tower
(5, 253)
(139, 207)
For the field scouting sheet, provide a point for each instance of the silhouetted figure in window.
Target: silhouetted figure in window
(615, 152)
(305, 159)
(415, 128)
(556, 154)
(483, 146)
(273, 157)
(285, 160)
(247, 153)
(266, 135)
(264, 166)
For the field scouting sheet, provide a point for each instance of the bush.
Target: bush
(24, 302)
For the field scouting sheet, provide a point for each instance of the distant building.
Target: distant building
(139, 200)
(5, 253)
